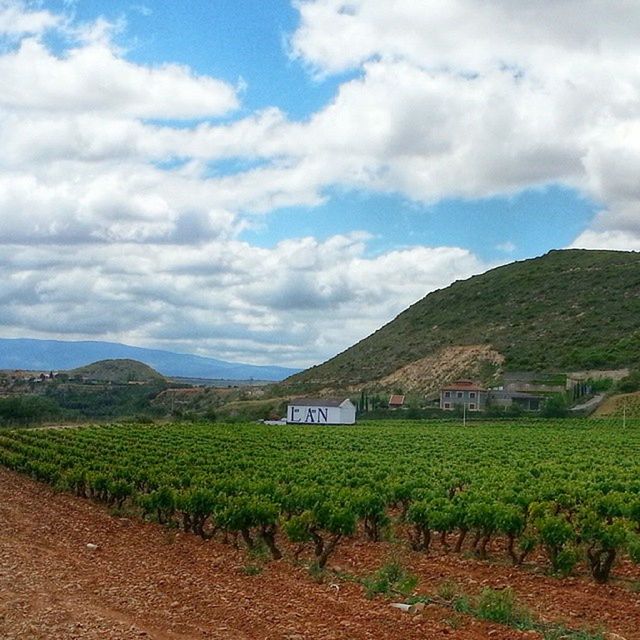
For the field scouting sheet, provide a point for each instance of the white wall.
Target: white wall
(348, 414)
(299, 414)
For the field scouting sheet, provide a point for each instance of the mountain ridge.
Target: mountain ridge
(58, 355)
(567, 310)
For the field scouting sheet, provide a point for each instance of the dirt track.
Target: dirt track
(142, 581)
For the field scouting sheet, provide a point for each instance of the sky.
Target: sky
(270, 182)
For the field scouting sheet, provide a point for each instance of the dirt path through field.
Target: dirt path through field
(143, 582)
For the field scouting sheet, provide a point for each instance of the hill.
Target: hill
(567, 310)
(118, 371)
(57, 355)
(617, 406)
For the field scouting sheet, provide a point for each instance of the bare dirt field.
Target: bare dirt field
(145, 581)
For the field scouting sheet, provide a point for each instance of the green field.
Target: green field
(570, 490)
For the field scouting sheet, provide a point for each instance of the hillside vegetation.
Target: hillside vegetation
(107, 389)
(118, 371)
(617, 406)
(567, 310)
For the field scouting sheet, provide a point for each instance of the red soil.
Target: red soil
(145, 581)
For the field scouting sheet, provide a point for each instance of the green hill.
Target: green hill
(567, 310)
(117, 371)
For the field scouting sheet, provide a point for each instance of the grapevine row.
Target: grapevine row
(572, 492)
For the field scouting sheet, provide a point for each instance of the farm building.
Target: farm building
(396, 401)
(526, 401)
(321, 411)
(463, 394)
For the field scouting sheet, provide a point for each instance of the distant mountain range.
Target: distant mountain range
(59, 355)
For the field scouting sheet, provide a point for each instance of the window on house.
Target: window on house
(447, 405)
(459, 394)
(472, 406)
(447, 394)
(472, 394)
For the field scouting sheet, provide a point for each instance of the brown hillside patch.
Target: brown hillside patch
(615, 406)
(430, 373)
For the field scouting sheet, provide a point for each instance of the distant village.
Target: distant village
(519, 393)
(516, 393)
(11, 381)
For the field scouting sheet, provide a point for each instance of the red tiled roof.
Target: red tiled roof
(396, 399)
(463, 385)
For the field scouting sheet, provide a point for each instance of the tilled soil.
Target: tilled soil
(146, 581)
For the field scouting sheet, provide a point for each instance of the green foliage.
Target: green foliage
(391, 579)
(555, 407)
(121, 371)
(106, 401)
(298, 527)
(160, 503)
(27, 409)
(601, 385)
(252, 570)
(557, 536)
(371, 506)
(605, 534)
(448, 590)
(633, 546)
(501, 606)
(570, 489)
(629, 384)
(568, 310)
(560, 632)
(565, 560)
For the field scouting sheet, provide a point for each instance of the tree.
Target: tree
(555, 407)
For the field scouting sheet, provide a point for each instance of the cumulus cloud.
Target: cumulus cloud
(294, 302)
(116, 223)
(494, 95)
(94, 78)
(462, 35)
(16, 19)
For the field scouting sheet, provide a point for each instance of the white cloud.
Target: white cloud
(16, 19)
(615, 240)
(516, 93)
(463, 35)
(94, 78)
(115, 227)
(506, 247)
(297, 302)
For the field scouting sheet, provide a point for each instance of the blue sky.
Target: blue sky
(248, 40)
(227, 39)
(271, 181)
(524, 225)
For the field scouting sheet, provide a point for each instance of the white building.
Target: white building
(321, 411)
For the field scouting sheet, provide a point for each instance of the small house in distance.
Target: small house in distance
(463, 394)
(526, 401)
(321, 411)
(396, 401)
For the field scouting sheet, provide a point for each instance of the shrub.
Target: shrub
(391, 578)
(501, 606)
(555, 407)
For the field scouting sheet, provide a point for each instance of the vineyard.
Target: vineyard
(565, 494)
